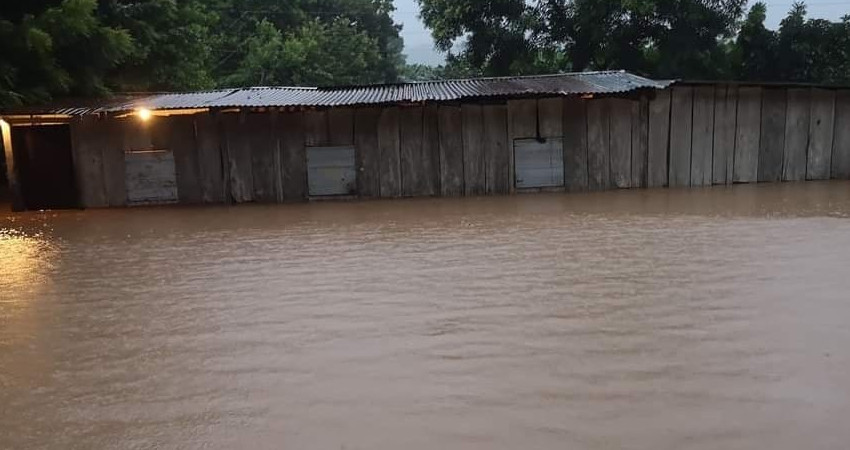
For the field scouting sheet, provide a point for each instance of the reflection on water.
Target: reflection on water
(713, 318)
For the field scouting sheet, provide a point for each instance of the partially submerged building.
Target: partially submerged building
(572, 132)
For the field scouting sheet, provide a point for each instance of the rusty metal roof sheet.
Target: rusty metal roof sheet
(578, 83)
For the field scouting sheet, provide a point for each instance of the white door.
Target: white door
(331, 171)
(539, 164)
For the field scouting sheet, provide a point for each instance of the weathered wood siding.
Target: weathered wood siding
(702, 141)
(747, 135)
(796, 134)
(367, 155)
(575, 144)
(688, 135)
(598, 144)
(772, 143)
(451, 151)
(659, 139)
(821, 130)
(723, 147)
(681, 136)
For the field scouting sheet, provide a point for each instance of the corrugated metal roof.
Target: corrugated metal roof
(609, 82)
(577, 83)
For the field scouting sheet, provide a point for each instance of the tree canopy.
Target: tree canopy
(55, 48)
(697, 39)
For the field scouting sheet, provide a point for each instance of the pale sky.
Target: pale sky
(420, 48)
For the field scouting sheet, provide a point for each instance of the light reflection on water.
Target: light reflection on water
(713, 318)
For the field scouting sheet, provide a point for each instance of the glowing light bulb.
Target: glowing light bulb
(144, 114)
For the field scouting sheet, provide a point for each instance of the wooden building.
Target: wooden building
(572, 132)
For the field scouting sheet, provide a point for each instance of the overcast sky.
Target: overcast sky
(420, 49)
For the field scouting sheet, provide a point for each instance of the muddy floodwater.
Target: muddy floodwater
(659, 319)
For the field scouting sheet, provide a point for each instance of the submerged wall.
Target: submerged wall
(688, 135)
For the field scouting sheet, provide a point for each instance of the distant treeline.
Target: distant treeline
(61, 48)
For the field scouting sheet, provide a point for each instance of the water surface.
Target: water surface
(699, 319)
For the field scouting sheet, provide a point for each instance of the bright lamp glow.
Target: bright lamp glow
(144, 114)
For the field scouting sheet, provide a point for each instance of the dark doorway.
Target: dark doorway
(44, 166)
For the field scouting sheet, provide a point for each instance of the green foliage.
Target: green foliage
(56, 48)
(696, 39)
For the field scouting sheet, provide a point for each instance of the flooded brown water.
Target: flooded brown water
(701, 319)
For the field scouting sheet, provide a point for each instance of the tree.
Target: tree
(755, 52)
(54, 48)
(172, 40)
(658, 37)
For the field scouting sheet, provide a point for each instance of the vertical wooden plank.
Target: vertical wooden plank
(451, 151)
(341, 126)
(209, 158)
(368, 156)
(473, 150)
(263, 142)
(293, 155)
(598, 129)
(550, 113)
(575, 144)
(821, 132)
(659, 139)
(621, 142)
(431, 151)
(388, 143)
(796, 135)
(88, 162)
(841, 146)
(640, 141)
(703, 136)
(496, 151)
(239, 158)
(725, 118)
(114, 167)
(316, 128)
(747, 135)
(411, 157)
(772, 142)
(523, 117)
(681, 135)
(181, 142)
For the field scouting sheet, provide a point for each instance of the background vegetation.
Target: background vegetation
(59, 48)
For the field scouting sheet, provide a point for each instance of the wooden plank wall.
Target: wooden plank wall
(685, 136)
